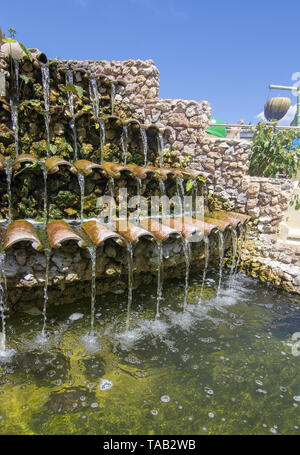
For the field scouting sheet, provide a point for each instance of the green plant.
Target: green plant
(273, 153)
(295, 201)
(12, 34)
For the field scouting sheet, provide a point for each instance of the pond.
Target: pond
(224, 366)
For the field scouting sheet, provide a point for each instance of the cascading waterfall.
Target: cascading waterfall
(206, 252)
(8, 171)
(130, 281)
(72, 124)
(46, 93)
(14, 104)
(159, 276)
(187, 255)
(145, 144)
(221, 255)
(124, 143)
(93, 255)
(81, 182)
(112, 97)
(160, 149)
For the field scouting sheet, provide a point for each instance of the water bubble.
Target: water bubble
(261, 391)
(165, 398)
(94, 405)
(208, 391)
(105, 384)
(154, 412)
(296, 397)
(273, 430)
(211, 415)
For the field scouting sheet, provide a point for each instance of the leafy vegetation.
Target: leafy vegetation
(273, 152)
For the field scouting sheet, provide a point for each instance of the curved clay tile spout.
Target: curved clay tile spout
(222, 224)
(233, 217)
(131, 121)
(115, 169)
(24, 158)
(53, 164)
(132, 232)
(186, 230)
(142, 172)
(87, 167)
(99, 233)
(207, 227)
(192, 173)
(160, 231)
(21, 231)
(59, 232)
(164, 172)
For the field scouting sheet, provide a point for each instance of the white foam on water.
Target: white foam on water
(105, 384)
(91, 342)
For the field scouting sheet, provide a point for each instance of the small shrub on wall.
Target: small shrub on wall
(273, 152)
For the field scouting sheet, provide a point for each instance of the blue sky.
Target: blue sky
(226, 52)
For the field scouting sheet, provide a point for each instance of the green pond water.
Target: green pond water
(222, 367)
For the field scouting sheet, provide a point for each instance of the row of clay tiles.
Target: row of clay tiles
(59, 232)
(40, 57)
(106, 168)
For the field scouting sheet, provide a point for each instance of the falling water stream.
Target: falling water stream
(93, 255)
(45, 174)
(111, 187)
(72, 124)
(145, 144)
(206, 252)
(130, 282)
(9, 170)
(102, 138)
(124, 143)
(159, 276)
(2, 304)
(234, 238)
(46, 93)
(180, 187)
(43, 337)
(112, 97)
(187, 255)
(14, 104)
(94, 95)
(239, 247)
(138, 192)
(160, 149)
(221, 256)
(95, 102)
(81, 182)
